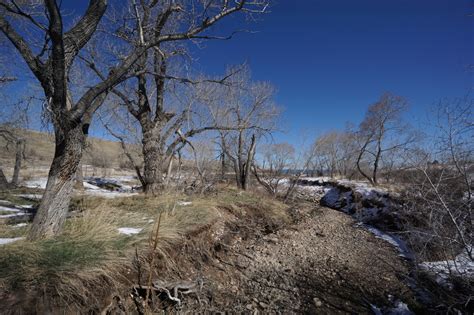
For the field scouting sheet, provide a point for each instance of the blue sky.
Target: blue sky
(330, 59)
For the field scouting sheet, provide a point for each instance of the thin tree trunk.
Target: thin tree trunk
(376, 163)
(359, 158)
(3, 181)
(223, 166)
(248, 164)
(168, 170)
(53, 209)
(79, 184)
(20, 148)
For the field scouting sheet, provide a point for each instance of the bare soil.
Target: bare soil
(320, 264)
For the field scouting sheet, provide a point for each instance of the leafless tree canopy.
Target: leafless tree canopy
(381, 133)
(41, 34)
(248, 111)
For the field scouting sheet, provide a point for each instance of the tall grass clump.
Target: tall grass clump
(70, 269)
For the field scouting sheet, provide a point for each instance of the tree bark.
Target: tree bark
(248, 164)
(20, 149)
(222, 166)
(53, 209)
(3, 181)
(359, 159)
(376, 164)
(153, 162)
(79, 184)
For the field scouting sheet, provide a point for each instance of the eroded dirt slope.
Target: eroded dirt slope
(322, 264)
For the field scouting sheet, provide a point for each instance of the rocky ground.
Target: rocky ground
(321, 264)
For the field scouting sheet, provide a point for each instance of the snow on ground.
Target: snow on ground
(124, 178)
(11, 212)
(36, 183)
(4, 241)
(347, 196)
(8, 209)
(358, 199)
(461, 265)
(118, 182)
(399, 308)
(322, 179)
(184, 203)
(108, 194)
(129, 230)
(315, 191)
(93, 187)
(90, 186)
(392, 239)
(19, 225)
(30, 196)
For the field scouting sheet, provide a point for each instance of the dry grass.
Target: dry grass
(40, 149)
(90, 256)
(71, 268)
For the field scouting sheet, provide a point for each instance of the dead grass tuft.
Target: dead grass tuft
(70, 269)
(90, 258)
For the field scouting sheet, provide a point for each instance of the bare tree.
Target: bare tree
(13, 117)
(205, 164)
(438, 183)
(334, 154)
(51, 62)
(380, 133)
(249, 108)
(164, 128)
(277, 160)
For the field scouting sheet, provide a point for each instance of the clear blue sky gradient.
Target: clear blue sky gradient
(330, 59)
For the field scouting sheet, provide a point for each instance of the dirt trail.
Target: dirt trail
(321, 265)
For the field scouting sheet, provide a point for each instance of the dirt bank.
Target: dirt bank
(321, 264)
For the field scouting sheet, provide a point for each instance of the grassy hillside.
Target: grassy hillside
(40, 150)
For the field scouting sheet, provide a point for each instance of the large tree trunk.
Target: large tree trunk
(53, 209)
(20, 148)
(153, 163)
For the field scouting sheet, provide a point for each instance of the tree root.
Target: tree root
(173, 289)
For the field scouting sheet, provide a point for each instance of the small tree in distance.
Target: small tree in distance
(276, 161)
(381, 133)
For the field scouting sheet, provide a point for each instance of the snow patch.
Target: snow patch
(129, 230)
(11, 215)
(461, 266)
(19, 225)
(90, 186)
(4, 241)
(184, 203)
(36, 183)
(109, 194)
(30, 196)
(25, 206)
(400, 309)
(392, 239)
(8, 209)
